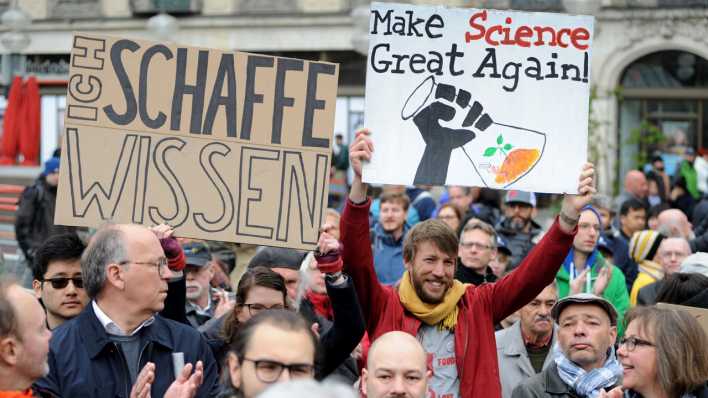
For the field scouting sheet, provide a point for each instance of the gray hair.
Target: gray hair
(106, 247)
(600, 201)
(477, 224)
(309, 389)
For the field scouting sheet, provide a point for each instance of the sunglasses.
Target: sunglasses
(62, 282)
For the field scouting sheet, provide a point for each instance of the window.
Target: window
(665, 96)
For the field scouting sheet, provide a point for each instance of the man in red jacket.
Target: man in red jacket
(453, 321)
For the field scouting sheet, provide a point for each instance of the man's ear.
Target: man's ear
(493, 254)
(234, 370)
(613, 334)
(9, 351)
(115, 276)
(37, 287)
(364, 377)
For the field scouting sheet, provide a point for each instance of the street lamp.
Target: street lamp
(15, 39)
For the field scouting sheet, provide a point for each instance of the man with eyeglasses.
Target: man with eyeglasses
(518, 226)
(585, 270)
(272, 347)
(584, 360)
(119, 346)
(478, 247)
(57, 278)
(671, 253)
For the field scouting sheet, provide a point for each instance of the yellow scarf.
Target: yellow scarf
(432, 314)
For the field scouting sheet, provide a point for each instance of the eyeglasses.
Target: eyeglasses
(632, 342)
(62, 282)
(268, 371)
(161, 265)
(450, 217)
(476, 245)
(255, 308)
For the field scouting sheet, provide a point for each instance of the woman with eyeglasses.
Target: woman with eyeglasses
(450, 215)
(664, 354)
(258, 290)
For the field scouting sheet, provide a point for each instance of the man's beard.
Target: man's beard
(518, 224)
(418, 286)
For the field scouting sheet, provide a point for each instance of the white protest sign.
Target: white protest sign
(477, 97)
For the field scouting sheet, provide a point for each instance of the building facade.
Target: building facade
(648, 67)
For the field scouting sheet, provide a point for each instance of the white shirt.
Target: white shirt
(112, 327)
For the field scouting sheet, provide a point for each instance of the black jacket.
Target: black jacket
(84, 362)
(647, 295)
(34, 221)
(467, 275)
(520, 243)
(337, 339)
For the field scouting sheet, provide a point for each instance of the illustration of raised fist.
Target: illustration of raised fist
(497, 161)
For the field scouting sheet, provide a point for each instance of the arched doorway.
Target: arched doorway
(663, 108)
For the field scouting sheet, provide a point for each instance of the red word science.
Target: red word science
(525, 36)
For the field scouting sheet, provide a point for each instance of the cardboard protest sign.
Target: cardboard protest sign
(477, 97)
(701, 314)
(221, 145)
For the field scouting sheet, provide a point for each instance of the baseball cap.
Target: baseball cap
(197, 254)
(277, 257)
(584, 298)
(503, 246)
(515, 196)
(604, 245)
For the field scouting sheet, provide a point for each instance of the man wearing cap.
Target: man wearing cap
(203, 302)
(585, 269)
(34, 221)
(518, 226)
(584, 361)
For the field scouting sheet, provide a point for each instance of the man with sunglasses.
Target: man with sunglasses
(57, 278)
(119, 346)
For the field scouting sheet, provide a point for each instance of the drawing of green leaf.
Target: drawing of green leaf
(500, 139)
(490, 151)
(507, 147)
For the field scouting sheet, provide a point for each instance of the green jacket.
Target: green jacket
(615, 292)
(688, 172)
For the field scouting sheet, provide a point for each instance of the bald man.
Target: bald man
(396, 367)
(635, 183)
(24, 340)
(673, 222)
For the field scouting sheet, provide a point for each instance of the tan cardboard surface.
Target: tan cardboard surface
(221, 145)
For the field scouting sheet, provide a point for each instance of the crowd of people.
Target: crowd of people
(410, 294)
